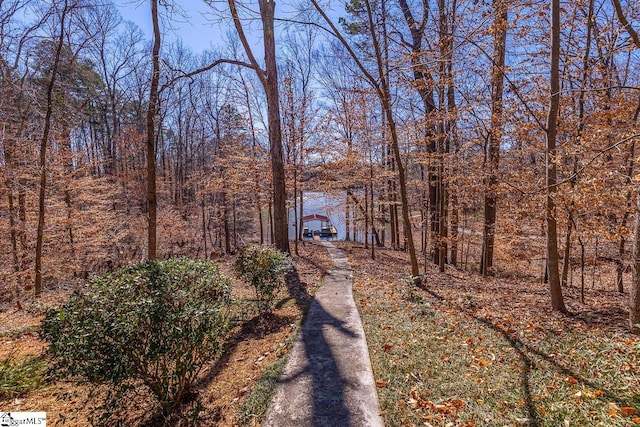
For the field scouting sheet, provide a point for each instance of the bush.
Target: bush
(265, 268)
(156, 322)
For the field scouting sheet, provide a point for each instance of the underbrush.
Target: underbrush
(467, 351)
(232, 387)
(19, 376)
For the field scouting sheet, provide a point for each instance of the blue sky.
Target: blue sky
(195, 30)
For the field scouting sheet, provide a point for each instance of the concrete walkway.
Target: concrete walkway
(328, 380)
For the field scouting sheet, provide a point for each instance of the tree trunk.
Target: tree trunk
(495, 135)
(566, 259)
(634, 294)
(296, 215)
(557, 301)
(347, 219)
(260, 219)
(366, 216)
(10, 182)
(455, 221)
(442, 207)
(404, 199)
(204, 228)
(271, 238)
(634, 291)
(152, 111)
(301, 222)
(225, 224)
(270, 82)
(43, 154)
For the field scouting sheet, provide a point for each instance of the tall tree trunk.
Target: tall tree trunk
(385, 95)
(43, 153)
(452, 127)
(381, 84)
(10, 183)
(372, 208)
(366, 216)
(443, 198)
(300, 221)
(404, 198)
(225, 225)
(566, 259)
(634, 294)
(260, 219)
(495, 135)
(557, 301)
(271, 238)
(204, 227)
(296, 215)
(22, 231)
(152, 111)
(423, 83)
(625, 217)
(270, 81)
(67, 155)
(634, 291)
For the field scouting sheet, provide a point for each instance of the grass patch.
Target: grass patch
(19, 376)
(255, 405)
(20, 332)
(473, 355)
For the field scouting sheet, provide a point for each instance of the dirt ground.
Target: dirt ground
(250, 348)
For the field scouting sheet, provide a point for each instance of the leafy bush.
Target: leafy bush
(156, 322)
(20, 376)
(265, 268)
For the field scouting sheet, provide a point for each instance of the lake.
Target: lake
(328, 204)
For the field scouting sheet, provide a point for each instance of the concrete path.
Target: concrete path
(328, 380)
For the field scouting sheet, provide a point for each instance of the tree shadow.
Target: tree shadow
(255, 327)
(327, 381)
(525, 352)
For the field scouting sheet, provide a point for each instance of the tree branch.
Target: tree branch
(337, 34)
(625, 23)
(206, 68)
(245, 43)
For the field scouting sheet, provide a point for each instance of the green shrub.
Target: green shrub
(20, 376)
(156, 322)
(265, 268)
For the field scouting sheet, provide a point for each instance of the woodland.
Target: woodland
(496, 138)
(435, 119)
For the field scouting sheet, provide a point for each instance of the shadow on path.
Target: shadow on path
(321, 368)
(328, 379)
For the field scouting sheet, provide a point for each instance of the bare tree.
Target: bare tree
(62, 13)
(555, 289)
(500, 23)
(381, 84)
(269, 78)
(152, 111)
(634, 292)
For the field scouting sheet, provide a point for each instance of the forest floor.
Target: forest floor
(229, 392)
(469, 351)
(461, 351)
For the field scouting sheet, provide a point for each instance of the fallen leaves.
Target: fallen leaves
(627, 411)
(481, 341)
